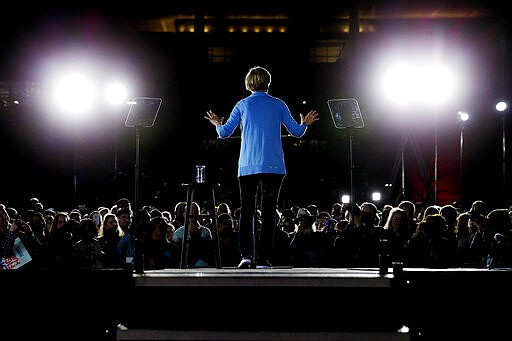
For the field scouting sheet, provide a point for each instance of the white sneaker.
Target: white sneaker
(245, 263)
(264, 265)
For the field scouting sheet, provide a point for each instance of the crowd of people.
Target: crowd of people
(343, 235)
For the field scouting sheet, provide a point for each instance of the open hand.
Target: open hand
(213, 118)
(311, 116)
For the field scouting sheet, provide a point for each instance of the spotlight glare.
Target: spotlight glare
(115, 93)
(376, 196)
(463, 116)
(501, 106)
(74, 93)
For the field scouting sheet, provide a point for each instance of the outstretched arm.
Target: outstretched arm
(310, 118)
(213, 118)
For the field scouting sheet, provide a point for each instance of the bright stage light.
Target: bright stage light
(74, 94)
(116, 93)
(405, 83)
(462, 116)
(376, 196)
(501, 106)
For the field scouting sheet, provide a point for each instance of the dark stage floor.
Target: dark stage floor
(259, 304)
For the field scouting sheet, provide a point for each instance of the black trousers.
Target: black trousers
(256, 244)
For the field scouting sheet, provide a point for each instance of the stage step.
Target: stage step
(152, 334)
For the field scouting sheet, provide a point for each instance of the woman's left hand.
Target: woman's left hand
(310, 117)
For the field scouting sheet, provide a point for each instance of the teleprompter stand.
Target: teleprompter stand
(142, 114)
(347, 115)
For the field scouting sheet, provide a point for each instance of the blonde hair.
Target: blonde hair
(257, 79)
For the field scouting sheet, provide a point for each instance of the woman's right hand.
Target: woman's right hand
(213, 118)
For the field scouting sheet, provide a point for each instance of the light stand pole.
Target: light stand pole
(75, 180)
(504, 158)
(116, 137)
(502, 107)
(75, 143)
(462, 117)
(436, 157)
(402, 159)
(460, 152)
